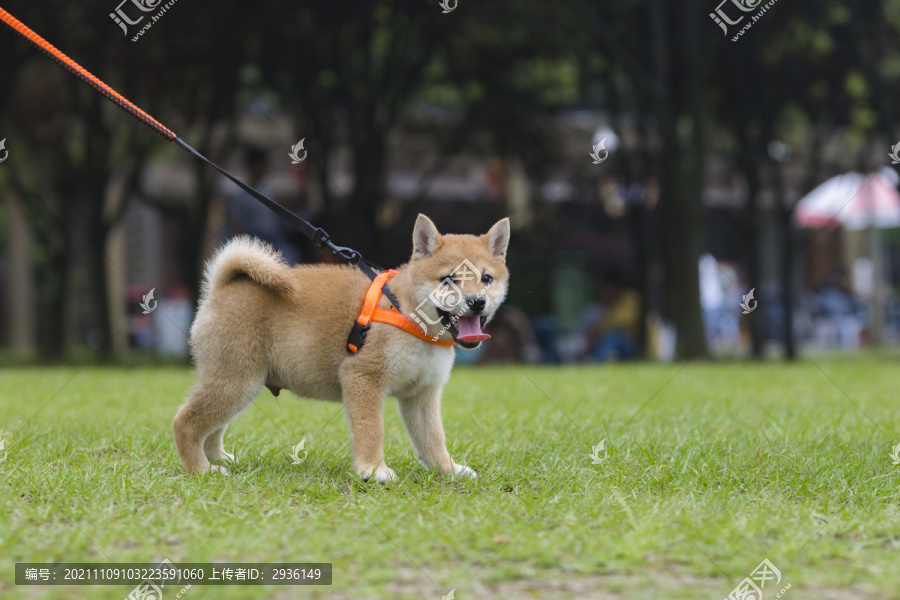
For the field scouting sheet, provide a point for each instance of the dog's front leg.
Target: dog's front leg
(364, 405)
(421, 414)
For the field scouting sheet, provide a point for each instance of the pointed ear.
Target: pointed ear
(426, 238)
(498, 238)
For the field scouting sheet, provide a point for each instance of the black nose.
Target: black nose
(476, 304)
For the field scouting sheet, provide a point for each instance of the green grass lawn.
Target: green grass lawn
(709, 469)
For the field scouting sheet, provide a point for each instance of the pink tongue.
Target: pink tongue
(469, 330)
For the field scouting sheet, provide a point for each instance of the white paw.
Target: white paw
(464, 471)
(219, 470)
(227, 457)
(381, 474)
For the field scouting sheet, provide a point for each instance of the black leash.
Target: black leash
(317, 235)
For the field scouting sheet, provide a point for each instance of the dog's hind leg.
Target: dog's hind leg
(201, 421)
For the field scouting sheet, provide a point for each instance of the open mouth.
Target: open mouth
(466, 331)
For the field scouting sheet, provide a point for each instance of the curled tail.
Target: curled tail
(246, 256)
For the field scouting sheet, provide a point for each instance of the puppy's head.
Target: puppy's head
(458, 281)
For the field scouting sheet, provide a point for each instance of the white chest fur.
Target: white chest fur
(414, 365)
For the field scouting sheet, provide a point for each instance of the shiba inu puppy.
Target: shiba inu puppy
(262, 323)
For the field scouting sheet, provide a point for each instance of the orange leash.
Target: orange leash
(317, 235)
(370, 312)
(83, 74)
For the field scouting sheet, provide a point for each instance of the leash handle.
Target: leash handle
(83, 74)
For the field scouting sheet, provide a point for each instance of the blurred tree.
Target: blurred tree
(668, 70)
(76, 145)
(60, 175)
(794, 83)
(198, 97)
(353, 79)
(498, 75)
(351, 69)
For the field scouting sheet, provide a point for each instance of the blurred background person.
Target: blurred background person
(838, 316)
(172, 320)
(247, 215)
(614, 334)
(512, 339)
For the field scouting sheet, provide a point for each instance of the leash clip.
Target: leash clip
(348, 254)
(320, 238)
(357, 337)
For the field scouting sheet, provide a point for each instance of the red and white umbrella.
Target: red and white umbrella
(854, 201)
(857, 201)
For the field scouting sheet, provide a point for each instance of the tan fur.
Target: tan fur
(262, 323)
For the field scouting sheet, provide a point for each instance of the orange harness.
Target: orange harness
(370, 312)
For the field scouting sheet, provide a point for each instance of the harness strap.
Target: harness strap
(371, 312)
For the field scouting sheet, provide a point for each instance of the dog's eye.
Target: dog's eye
(447, 279)
(486, 278)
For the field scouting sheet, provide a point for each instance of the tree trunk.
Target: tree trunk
(370, 186)
(197, 218)
(93, 188)
(751, 224)
(54, 296)
(787, 272)
(682, 232)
